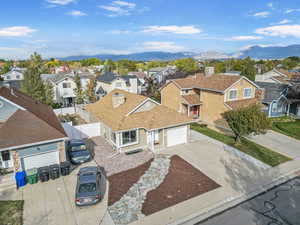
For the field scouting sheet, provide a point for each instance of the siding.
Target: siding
(170, 97)
(240, 89)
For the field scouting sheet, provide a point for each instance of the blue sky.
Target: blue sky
(57, 28)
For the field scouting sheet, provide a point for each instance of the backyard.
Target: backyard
(287, 127)
(255, 150)
(11, 212)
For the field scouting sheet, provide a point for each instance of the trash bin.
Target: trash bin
(32, 176)
(54, 171)
(43, 173)
(20, 179)
(65, 168)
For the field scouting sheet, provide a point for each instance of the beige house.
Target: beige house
(131, 122)
(207, 97)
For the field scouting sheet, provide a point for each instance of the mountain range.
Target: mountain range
(256, 52)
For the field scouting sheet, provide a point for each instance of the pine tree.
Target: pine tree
(49, 93)
(79, 90)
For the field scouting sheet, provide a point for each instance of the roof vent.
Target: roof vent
(118, 99)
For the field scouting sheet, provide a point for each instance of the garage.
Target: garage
(176, 135)
(40, 160)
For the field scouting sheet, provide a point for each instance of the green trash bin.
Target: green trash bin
(32, 176)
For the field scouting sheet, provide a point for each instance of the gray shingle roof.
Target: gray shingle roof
(108, 77)
(272, 90)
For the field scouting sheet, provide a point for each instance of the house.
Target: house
(206, 97)
(274, 98)
(31, 135)
(142, 77)
(159, 74)
(110, 81)
(15, 74)
(131, 122)
(277, 75)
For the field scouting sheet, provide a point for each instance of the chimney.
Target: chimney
(209, 70)
(118, 99)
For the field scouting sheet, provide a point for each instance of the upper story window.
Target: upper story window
(232, 94)
(118, 84)
(8, 77)
(18, 76)
(247, 92)
(66, 85)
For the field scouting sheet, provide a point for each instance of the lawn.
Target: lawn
(11, 212)
(290, 128)
(255, 150)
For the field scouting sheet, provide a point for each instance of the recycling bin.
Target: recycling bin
(43, 173)
(65, 168)
(54, 171)
(20, 179)
(32, 176)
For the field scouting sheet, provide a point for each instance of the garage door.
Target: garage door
(40, 160)
(176, 135)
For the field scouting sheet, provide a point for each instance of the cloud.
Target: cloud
(280, 31)
(16, 31)
(60, 2)
(291, 11)
(246, 38)
(162, 46)
(119, 8)
(172, 29)
(284, 21)
(120, 32)
(263, 14)
(271, 5)
(76, 13)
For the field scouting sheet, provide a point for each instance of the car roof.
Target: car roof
(87, 179)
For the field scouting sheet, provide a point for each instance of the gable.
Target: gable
(146, 106)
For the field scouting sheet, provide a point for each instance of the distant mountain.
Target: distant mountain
(212, 55)
(269, 52)
(142, 56)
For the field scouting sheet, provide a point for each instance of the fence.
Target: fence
(77, 109)
(82, 131)
(64, 111)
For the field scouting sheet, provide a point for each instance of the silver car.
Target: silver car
(91, 184)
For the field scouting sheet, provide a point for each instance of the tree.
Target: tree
(109, 65)
(51, 64)
(152, 90)
(90, 62)
(187, 65)
(78, 90)
(49, 94)
(247, 120)
(90, 92)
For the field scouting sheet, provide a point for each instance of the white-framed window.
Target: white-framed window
(8, 77)
(129, 137)
(66, 85)
(247, 92)
(118, 84)
(232, 94)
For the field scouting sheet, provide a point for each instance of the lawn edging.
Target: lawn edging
(248, 147)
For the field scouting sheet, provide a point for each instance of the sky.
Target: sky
(59, 28)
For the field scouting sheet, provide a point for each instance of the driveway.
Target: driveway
(52, 203)
(278, 142)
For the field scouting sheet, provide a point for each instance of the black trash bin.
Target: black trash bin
(43, 173)
(65, 168)
(54, 171)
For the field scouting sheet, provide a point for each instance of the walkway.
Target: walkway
(279, 143)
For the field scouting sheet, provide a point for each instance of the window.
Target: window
(129, 137)
(7, 77)
(66, 85)
(18, 76)
(247, 92)
(118, 84)
(232, 94)
(5, 156)
(113, 137)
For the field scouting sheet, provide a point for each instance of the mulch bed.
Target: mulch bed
(181, 183)
(120, 183)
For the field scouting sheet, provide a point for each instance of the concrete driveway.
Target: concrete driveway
(52, 203)
(278, 142)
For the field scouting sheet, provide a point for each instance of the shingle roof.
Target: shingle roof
(117, 118)
(272, 91)
(108, 77)
(217, 82)
(193, 99)
(242, 103)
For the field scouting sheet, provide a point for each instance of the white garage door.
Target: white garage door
(176, 135)
(41, 160)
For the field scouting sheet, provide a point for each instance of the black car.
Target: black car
(78, 152)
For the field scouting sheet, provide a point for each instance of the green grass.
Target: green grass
(255, 150)
(11, 212)
(291, 128)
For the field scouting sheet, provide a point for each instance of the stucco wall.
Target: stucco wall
(170, 96)
(240, 89)
(142, 141)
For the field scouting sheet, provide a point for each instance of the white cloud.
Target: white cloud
(291, 10)
(280, 30)
(246, 38)
(16, 31)
(263, 14)
(270, 5)
(119, 8)
(162, 46)
(120, 31)
(76, 13)
(284, 21)
(172, 29)
(60, 2)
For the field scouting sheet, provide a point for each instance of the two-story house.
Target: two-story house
(14, 74)
(159, 74)
(206, 97)
(110, 81)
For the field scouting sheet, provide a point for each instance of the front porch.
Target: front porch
(192, 111)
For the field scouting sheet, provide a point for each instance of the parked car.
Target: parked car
(91, 184)
(78, 152)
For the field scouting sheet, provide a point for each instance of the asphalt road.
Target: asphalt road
(278, 206)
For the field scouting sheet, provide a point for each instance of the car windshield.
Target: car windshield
(87, 187)
(78, 148)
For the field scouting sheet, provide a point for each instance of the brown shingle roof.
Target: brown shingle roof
(217, 82)
(281, 79)
(118, 119)
(193, 99)
(242, 103)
